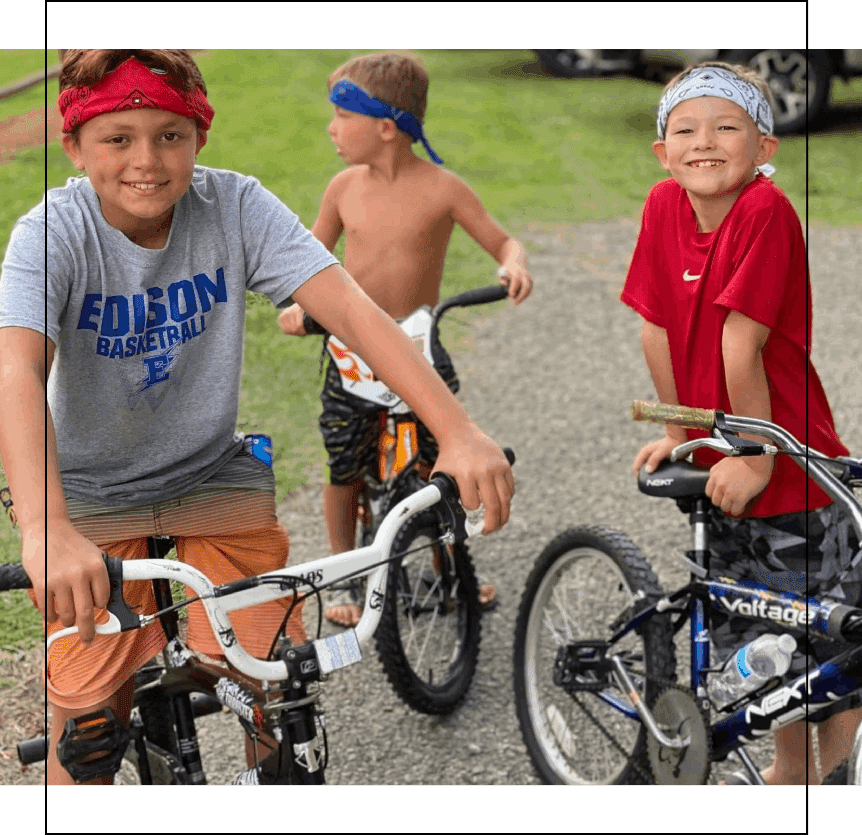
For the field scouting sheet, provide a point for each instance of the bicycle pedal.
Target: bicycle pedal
(92, 745)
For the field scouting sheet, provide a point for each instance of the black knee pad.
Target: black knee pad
(93, 745)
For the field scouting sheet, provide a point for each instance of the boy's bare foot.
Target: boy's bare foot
(487, 597)
(348, 614)
(344, 614)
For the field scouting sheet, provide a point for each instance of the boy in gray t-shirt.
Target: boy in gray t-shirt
(122, 303)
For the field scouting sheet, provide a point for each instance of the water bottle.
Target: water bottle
(750, 668)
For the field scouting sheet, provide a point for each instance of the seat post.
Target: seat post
(162, 592)
(699, 617)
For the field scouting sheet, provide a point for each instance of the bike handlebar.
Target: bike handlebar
(482, 295)
(724, 427)
(676, 415)
(333, 652)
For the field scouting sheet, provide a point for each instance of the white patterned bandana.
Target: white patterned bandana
(723, 84)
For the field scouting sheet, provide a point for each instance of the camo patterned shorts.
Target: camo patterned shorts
(815, 553)
(349, 424)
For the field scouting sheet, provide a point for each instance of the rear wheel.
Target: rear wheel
(584, 579)
(428, 637)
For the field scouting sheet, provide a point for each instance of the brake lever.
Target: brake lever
(449, 509)
(731, 445)
(111, 627)
(684, 450)
(120, 617)
(455, 519)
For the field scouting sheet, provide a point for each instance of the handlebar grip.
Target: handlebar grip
(483, 295)
(33, 750)
(448, 487)
(676, 415)
(13, 576)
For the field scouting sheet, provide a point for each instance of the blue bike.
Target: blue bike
(596, 691)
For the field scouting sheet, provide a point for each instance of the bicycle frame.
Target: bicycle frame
(820, 686)
(817, 688)
(332, 653)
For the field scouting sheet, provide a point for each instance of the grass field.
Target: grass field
(536, 149)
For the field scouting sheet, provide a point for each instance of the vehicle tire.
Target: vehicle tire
(428, 636)
(584, 578)
(788, 72)
(155, 714)
(564, 62)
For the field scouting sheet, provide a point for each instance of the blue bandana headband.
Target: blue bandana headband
(346, 95)
(723, 84)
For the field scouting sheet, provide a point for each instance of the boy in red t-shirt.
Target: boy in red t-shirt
(719, 275)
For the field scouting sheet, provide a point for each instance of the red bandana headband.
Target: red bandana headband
(130, 86)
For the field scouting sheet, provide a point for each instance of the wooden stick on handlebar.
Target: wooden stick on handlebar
(677, 415)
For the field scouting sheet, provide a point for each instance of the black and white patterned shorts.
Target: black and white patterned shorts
(349, 424)
(814, 553)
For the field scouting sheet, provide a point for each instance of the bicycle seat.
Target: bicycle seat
(673, 479)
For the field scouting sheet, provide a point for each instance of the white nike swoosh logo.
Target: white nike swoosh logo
(687, 277)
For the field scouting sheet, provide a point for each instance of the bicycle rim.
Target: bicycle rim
(578, 585)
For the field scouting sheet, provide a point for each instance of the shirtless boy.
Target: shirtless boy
(397, 212)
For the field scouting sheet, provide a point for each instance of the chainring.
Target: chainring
(678, 715)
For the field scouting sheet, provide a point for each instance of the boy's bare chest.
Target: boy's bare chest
(404, 215)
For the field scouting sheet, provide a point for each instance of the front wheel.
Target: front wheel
(428, 637)
(584, 579)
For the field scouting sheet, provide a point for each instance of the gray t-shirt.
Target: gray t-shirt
(144, 389)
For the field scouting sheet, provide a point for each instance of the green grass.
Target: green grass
(14, 65)
(536, 149)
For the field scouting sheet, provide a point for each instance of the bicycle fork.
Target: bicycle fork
(179, 704)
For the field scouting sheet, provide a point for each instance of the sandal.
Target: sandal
(346, 608)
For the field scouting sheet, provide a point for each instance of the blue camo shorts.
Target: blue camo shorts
(812, 553)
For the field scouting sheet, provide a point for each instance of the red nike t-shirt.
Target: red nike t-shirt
(687, 281)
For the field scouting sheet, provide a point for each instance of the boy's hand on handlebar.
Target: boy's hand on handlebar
(515, 276)
(735, 482)
(290, 321)
(482, 473)
(75, 582)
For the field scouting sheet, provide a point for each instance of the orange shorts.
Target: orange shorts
(225, 533)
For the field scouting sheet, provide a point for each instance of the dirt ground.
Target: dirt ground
(21, 133)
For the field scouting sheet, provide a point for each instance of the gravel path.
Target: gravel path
(553, 379)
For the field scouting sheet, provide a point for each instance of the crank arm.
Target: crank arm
(625, 684)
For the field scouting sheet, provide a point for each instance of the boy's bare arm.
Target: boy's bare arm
(75, 576)
(483, 475)
(657, 354)
(327, 229)
(328, 226)
(735, 482)
(469, 213)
